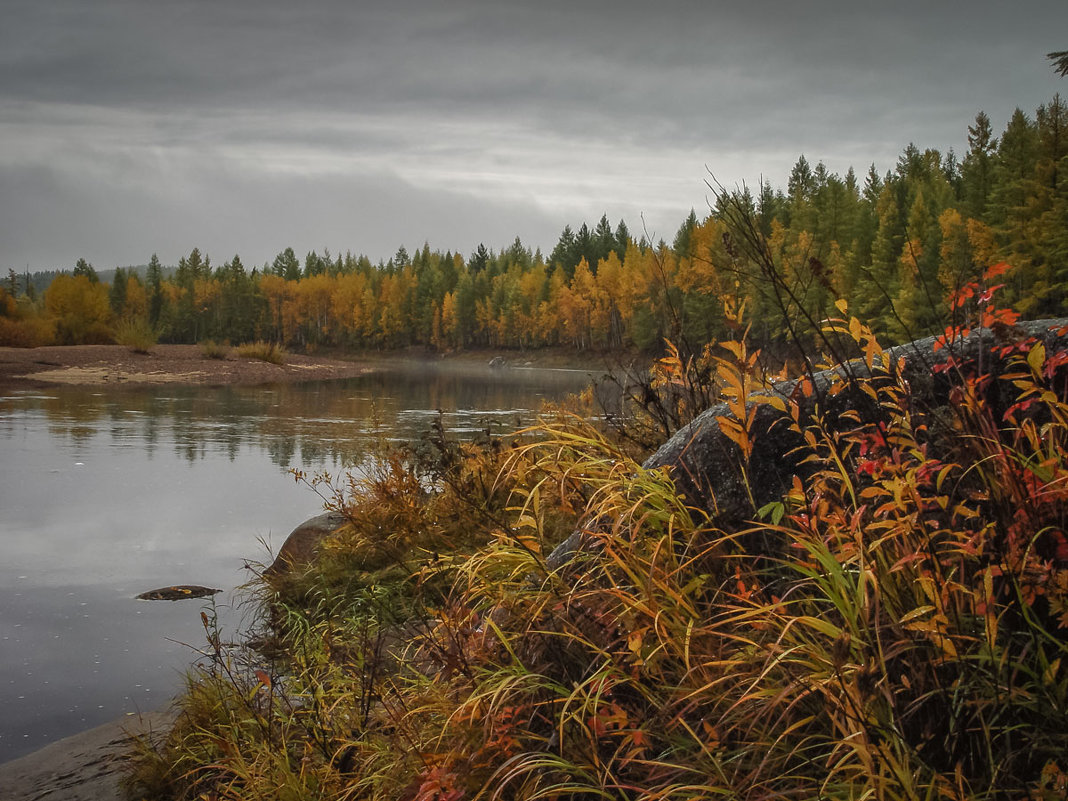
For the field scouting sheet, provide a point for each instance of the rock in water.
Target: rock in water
(177, 593)
(301, 546)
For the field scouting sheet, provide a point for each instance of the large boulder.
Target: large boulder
(302, 545)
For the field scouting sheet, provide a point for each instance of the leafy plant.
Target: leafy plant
(908, 640)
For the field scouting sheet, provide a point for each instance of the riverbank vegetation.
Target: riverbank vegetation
(900, 634)
(891, 244)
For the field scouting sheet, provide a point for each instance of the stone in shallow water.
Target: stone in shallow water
(301, 546)
(177, 593)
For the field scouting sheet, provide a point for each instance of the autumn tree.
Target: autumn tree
(80, 309)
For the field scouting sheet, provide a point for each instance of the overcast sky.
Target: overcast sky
(129, 127)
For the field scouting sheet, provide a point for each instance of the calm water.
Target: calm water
(106, 494)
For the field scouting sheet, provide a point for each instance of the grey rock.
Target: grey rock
(302, 544)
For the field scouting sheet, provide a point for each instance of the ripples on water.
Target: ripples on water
(107, 494)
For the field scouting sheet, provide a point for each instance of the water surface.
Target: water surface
(106, 494)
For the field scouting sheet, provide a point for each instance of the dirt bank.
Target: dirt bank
(117, 365)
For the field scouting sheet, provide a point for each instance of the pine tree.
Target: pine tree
(85, 268)
(117, 293)
(978, 166)
(155, 290)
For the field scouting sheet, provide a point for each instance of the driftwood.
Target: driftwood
(706, 464)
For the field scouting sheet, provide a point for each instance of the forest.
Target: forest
(893, 245)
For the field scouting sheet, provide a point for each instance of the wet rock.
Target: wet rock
(302, 545)
(177, 593)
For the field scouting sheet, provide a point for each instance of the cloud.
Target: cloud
(198, 120)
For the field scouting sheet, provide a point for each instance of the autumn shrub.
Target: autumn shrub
(270, 352)
(137, 334)
(27, 332)
(210, 349)
(80, 309)
(908, 641)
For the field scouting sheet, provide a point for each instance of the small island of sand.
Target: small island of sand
(186, 364)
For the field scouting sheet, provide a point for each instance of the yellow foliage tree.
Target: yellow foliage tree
(80, 308)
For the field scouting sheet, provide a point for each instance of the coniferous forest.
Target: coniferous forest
(893, 244)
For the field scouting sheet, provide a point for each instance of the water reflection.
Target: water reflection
(317, 424)
(108, 494)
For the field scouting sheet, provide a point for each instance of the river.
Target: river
(105, 494)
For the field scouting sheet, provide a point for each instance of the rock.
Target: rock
(177, 593)
(302, 544)
(498, 362)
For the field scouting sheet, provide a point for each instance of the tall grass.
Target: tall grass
(907, 641)
(137, 334)
(270, 352)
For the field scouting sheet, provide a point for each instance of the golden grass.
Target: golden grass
(907, 641)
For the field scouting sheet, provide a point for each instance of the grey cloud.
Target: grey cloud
(193, 98)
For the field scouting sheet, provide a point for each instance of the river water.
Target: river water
(105, 494)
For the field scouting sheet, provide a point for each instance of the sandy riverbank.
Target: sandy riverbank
(118, 365)
(83, 767)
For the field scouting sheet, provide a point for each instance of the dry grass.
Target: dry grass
(210, 349)
(136, 334)
(263, 351)
(908, 643)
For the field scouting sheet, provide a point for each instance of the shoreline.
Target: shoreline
(82, 767)
(118, 366)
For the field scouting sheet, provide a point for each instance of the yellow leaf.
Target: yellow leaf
(1036, 358)
(855, 330)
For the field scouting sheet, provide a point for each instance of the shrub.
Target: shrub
(137, 334)
(28, 332)
(908, 641)
(210, 349)
(263, 351)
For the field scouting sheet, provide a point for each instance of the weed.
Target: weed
(906, 641)
(210, 349)
(263, 351)
(137, 334)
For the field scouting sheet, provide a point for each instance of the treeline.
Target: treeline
(893, 245)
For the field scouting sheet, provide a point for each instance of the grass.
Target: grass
(137, 334)
(210, 349)
(263, 351)
(909, 640)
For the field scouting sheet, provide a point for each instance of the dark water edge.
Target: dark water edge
(105, 495)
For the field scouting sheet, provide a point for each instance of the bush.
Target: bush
(264, 351)
(29, 332)
(137, 334)
(909, 640)
(210, 349)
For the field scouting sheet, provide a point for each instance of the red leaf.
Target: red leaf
(998, 269)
